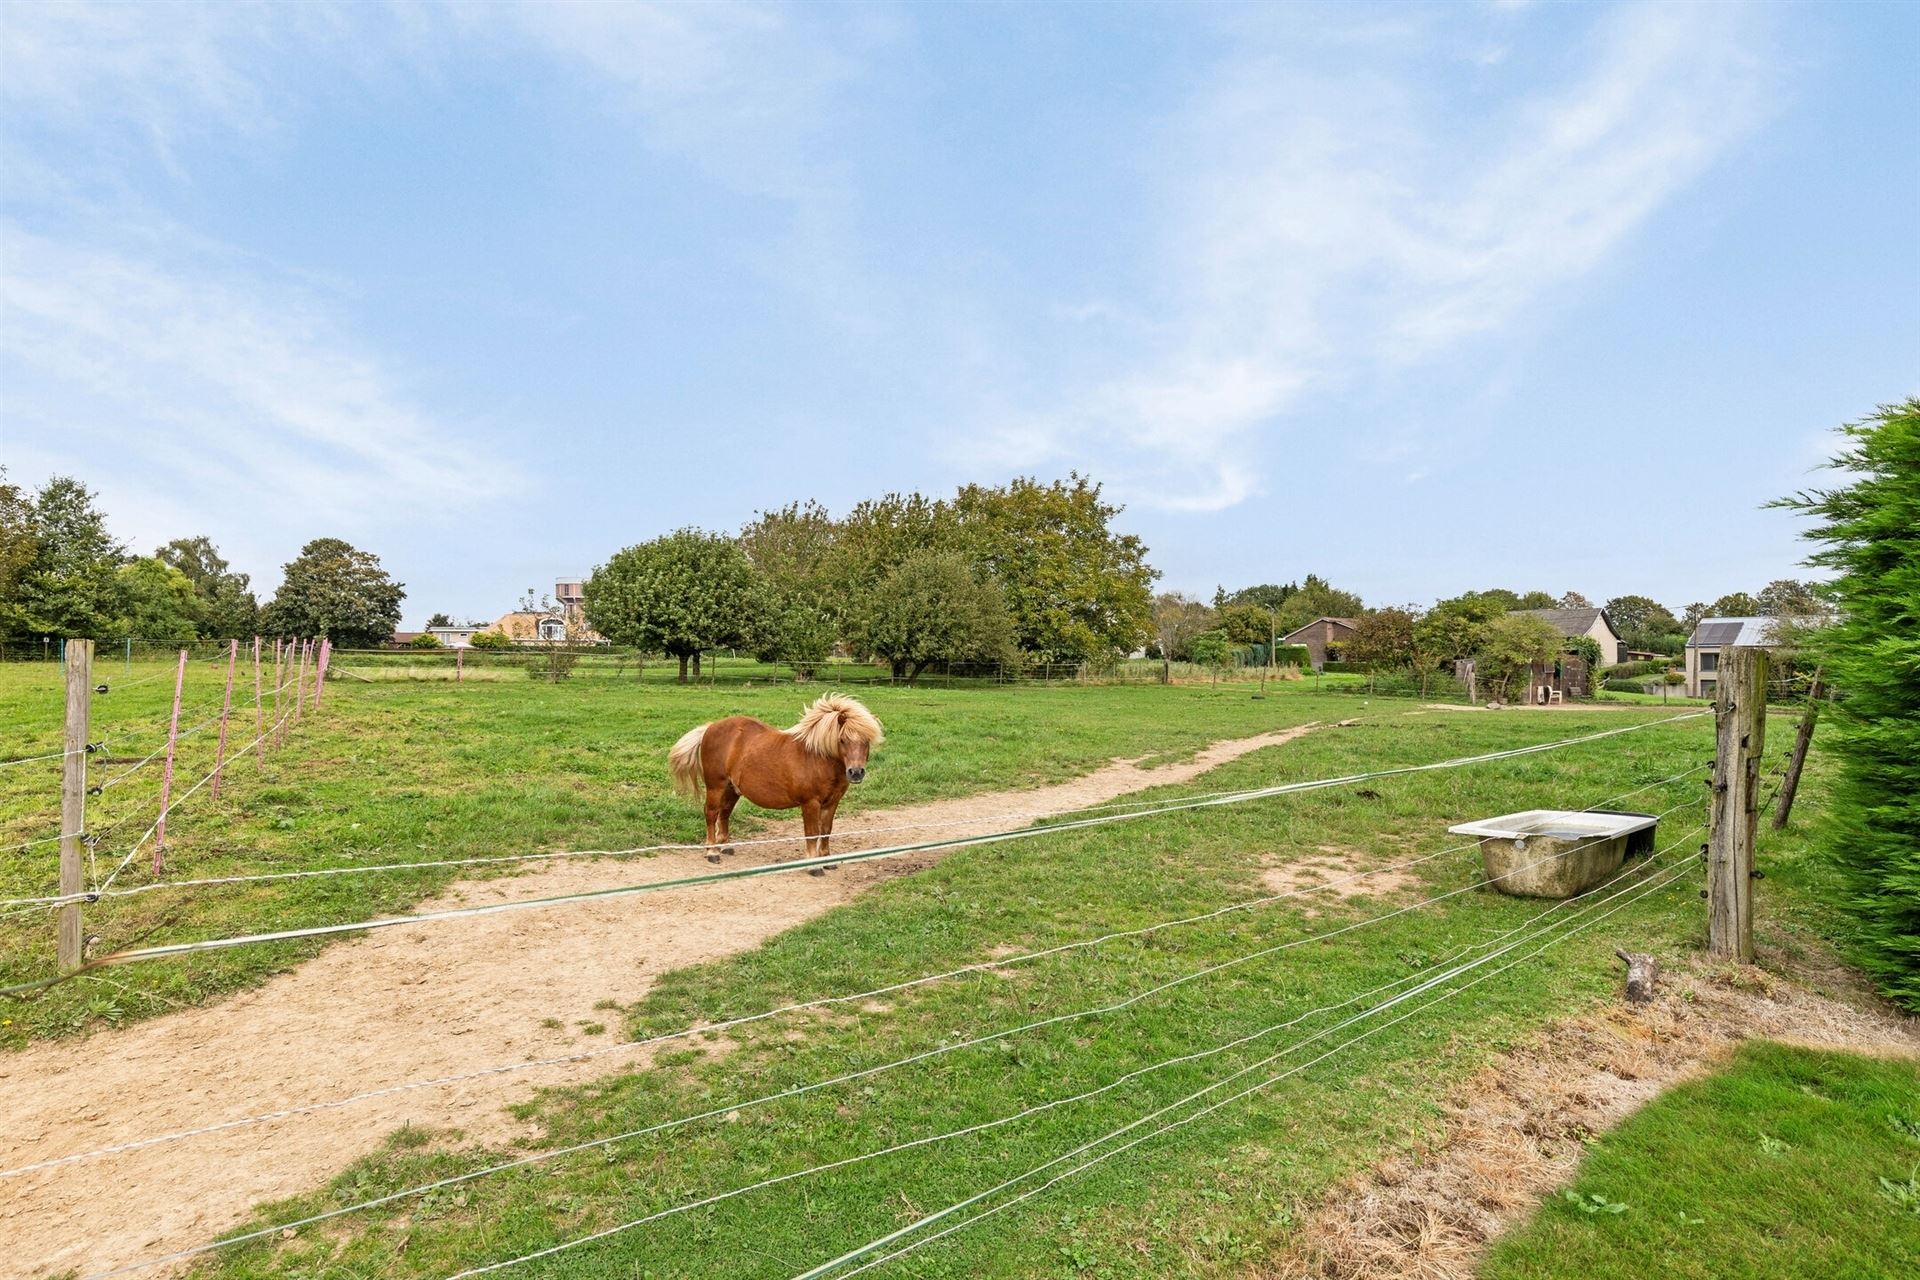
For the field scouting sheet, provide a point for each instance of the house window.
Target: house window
(552, 629)
(1710, 660)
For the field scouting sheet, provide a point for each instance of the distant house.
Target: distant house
(1585, 622)
(524, 626)
(1714, 636)
(455, 637)
(565, 623)
(404, 638)
(1321, 637)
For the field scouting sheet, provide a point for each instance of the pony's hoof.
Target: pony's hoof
(713, 857)
(816, 871)
(728, 851)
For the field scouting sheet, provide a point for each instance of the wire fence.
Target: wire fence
(1490, 949)
(138, 737)
(998, 965)
(1621, 892)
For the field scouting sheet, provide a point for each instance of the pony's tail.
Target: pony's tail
(683, 762)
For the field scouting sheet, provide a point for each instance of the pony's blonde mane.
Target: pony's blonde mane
(831, 721)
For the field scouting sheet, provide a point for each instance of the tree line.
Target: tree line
(62, 573)
(1024, 571)
(1491, 627)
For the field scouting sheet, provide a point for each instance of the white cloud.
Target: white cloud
(1331, 227)
(225, 389)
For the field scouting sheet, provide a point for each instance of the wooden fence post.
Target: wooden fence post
(300, 682)
(226, 705)
(459, 664)
(320, 670)
(166, 774)
(1798, 760)
(78, 659)
(1740, 714)
(259, 711)
(275, 732)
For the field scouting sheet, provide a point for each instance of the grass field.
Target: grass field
(1787, 1163)
(418, 769)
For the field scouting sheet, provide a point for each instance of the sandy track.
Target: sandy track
(403, 1005)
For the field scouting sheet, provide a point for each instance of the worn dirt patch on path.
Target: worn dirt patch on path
(1329, 863)
(405, 1005)
(1517, 1131)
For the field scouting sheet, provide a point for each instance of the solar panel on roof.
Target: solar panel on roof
(1721, 633)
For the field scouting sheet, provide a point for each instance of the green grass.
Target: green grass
(417, 771)
(405, 769)
(1203, 1201)
(1787, 1163)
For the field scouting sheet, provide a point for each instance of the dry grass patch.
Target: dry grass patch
(1518, 1129)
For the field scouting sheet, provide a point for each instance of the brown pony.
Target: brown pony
(807, 767)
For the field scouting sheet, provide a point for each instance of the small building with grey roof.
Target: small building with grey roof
(1714, 636)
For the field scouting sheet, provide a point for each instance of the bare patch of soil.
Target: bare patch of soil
(1330, 863)
(407, 1005)
(1517, 1130)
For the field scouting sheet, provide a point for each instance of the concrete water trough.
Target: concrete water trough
(1556, 853)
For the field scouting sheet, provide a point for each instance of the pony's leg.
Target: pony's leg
(810, 823)
(727, 802)
(716, 820)
(827, 811)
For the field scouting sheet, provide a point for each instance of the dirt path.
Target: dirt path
(1517, 1132)
(404, 1005)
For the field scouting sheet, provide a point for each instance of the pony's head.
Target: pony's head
(839, 728)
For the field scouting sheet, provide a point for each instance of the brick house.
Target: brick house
(1320, 636)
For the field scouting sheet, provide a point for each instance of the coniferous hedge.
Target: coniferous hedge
(1871, 536)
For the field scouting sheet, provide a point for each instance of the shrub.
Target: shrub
(1871, 532)
(490, 640)
(1649, 667)
(552, 664)
(425, 640)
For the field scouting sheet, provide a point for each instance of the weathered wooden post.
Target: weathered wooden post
(1642, 972)
(166, 774)
(277, 683)
(226, 705)
(459, 664)
(1801, 740)
(1740, 714)
(73, 801)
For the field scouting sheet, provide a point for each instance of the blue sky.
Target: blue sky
(1417, 297)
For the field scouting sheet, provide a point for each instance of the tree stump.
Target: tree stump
(1642, 972)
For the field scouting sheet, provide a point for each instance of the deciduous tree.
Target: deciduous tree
(227, 606)
(158, 602)
(1177, 619)
(336, 590)
(1317, 598)
(70, 586)
(931, 608)
(1382, 640)
(1076, 588)
(1510, 646)
(679, 594)
(1789, 598)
